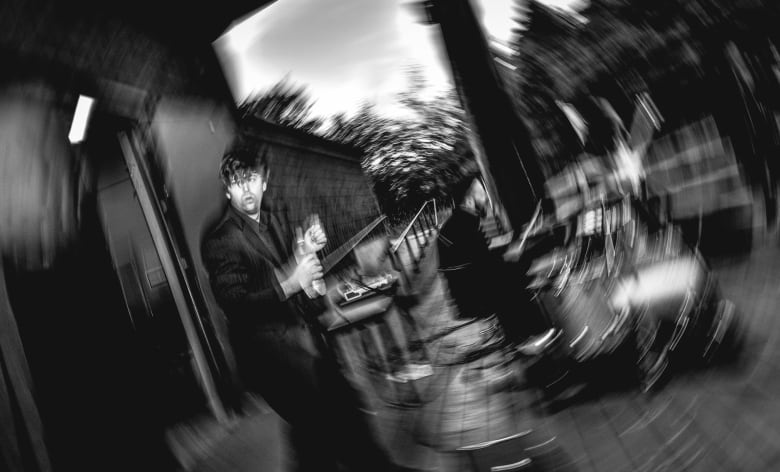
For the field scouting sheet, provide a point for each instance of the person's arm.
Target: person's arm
(235, 289)
(289, 287)
(234, 284)
(313, 239)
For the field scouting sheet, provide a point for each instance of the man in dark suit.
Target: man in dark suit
(261, 282)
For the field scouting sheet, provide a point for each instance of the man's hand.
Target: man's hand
(307, 270)
(314, 238)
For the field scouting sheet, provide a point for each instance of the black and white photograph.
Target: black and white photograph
(390, 236)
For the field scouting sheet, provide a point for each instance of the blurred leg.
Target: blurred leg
(287, 377)
(325, 412)
(308, 452)
(356, 442)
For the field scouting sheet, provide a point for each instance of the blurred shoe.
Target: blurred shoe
(501, 379)
(535, 345)
(395, 378)
(412, 372)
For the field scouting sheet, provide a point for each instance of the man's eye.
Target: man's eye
(253, 178)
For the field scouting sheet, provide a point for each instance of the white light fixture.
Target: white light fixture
(79, 126)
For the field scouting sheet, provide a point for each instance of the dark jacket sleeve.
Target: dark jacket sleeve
(243, 288)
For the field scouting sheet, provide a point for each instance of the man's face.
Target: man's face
(246, 194)
(480, 198)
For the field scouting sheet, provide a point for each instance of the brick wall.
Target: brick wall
(311, 175)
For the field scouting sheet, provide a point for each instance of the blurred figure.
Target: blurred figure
(39, 196)
(480, 283)
(40, 177)
(259, 279)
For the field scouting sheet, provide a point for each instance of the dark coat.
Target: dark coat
(242, 258)
(472, 272)
(279, 354)
(480, 282)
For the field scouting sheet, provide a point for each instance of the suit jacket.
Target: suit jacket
(242, 257)
(279, 355)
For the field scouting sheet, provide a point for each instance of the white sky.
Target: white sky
(345, 51)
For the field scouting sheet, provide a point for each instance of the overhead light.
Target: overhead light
(78, 129)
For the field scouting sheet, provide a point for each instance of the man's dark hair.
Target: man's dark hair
(460, 190)
(242, 159)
